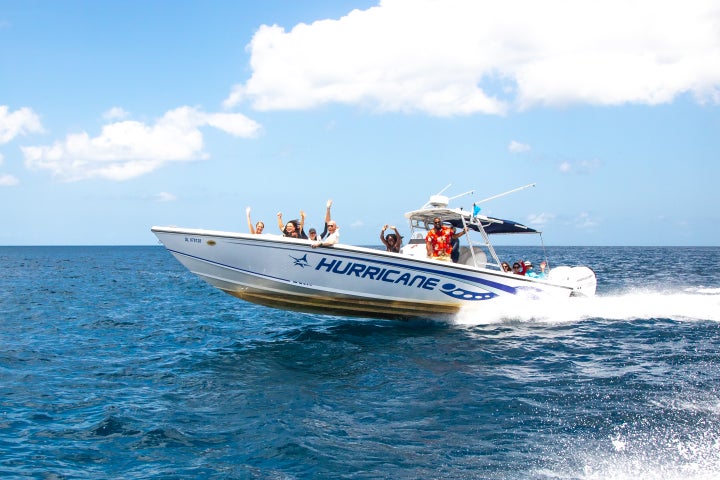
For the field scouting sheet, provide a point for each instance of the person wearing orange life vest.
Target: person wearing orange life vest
(439, 240)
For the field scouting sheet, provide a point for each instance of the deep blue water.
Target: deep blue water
(118, 363)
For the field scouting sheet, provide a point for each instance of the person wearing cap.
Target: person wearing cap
(529, 272)
(312, 233)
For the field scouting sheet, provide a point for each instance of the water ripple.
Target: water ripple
(118, 363)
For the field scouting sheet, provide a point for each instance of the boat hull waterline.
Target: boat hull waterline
(347, 280)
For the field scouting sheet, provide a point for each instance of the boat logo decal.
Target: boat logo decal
(464, 294)
(300, 262)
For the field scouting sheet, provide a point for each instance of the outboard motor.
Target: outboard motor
(581, 279)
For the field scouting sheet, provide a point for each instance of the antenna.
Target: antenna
(441, 191)
(470, 192)
(507, 193)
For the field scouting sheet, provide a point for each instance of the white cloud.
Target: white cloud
(115, 113)
(235, 124)
(581, 166)
(458, 57)
(517, 147)
(164, 197)
(19, 122)
(584, 220)
(7, 180)
(540, 219)
(128, 149)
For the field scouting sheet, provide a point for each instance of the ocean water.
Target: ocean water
(118, 363)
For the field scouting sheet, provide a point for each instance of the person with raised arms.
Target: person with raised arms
(259, 226)
(392, 241)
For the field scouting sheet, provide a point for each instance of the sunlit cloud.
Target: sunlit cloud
(517, 147)
(460, 57)
(115, 113)
(127, 149)
(7, 180)
(540, 219)
(19, 122)
(164, 197)
(584, 220)
(580, 166)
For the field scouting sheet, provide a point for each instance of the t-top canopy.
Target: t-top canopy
(424, 218)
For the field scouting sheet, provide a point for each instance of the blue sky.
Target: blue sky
(119, 115)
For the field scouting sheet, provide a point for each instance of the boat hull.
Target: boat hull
(342, 280)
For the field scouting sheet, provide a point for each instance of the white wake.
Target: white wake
(689, 304)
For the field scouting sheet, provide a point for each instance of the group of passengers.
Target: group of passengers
(296, 228)
(441, 241)
(525, 267)
(442, 244)
(330, 235)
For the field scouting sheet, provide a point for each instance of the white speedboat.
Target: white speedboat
(343, 279)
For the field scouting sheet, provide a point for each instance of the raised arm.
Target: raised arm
(399, 238)
(281, 225)
(250, 224)
(302, 220)
(327, 218)
(461, 233)
(327, 210)
(382, 236)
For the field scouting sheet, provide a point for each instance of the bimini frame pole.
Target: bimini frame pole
(486, 239)
(488, 244)
(484, 234)
(472, 250)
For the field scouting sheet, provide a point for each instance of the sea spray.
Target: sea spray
(689, 304)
